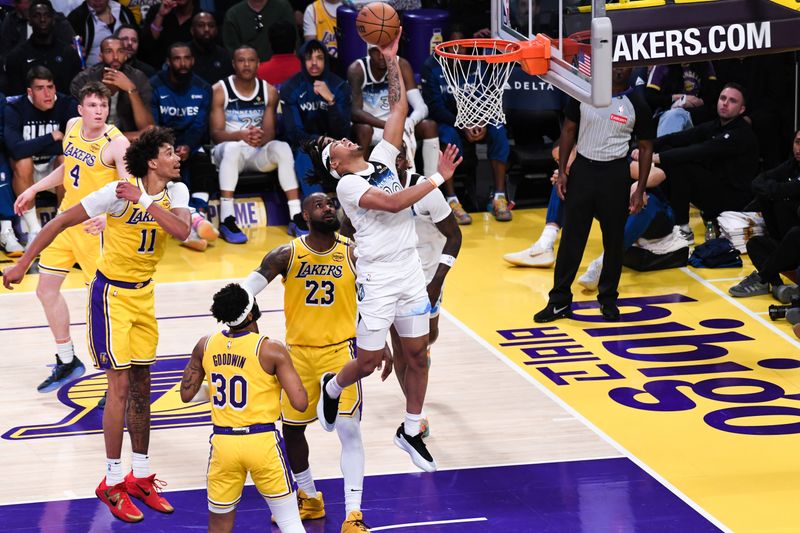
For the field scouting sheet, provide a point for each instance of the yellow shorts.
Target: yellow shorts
(121, 323)
(311, 363)
(73, 245)
(233, 456)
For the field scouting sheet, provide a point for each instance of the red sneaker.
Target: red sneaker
(119, 502)
(147, 489)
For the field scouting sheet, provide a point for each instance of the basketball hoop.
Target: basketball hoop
(476, 71)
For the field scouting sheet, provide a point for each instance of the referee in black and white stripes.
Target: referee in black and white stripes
(599, 186)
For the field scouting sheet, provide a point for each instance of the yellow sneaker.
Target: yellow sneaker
(310, 508)
(205, 229)
(199, 245)
(500, 209)
(354, 523)
(462, 217)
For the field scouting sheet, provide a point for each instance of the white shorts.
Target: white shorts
(250, 158)
(391, 296)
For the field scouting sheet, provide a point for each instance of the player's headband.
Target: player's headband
(251, 306)
(326, 160)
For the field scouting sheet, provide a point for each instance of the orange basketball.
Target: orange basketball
(378, 23)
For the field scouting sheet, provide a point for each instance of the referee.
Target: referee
(599, 186)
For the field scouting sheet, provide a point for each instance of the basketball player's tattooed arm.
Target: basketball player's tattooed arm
(398, 104)
(193, 374)
(275, 360)
(449, 228)
(275, 263)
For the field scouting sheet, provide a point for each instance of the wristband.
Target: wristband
(448, 260)
(436, 180)
(145, 201)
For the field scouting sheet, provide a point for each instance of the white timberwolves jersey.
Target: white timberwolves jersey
(243, 111)
(374, 92)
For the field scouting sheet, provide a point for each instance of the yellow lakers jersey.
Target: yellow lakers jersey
(320, 294)
(326, 28)
(133, 242)
(84, 170)
(242, 393)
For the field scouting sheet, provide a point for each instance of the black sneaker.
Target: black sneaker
(230, 232)
(101, 403)
(610, 312)
(553, 312)
(415, 447)
(749, 286)
(61, 374)
(327, 407)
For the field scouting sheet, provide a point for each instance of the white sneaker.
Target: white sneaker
(535, 256)
(9, 242)
(591, 278)
(31, 236)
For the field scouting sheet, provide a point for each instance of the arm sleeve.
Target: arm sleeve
(419, 109)
(17, 146)
(178, 195)
(103, 200)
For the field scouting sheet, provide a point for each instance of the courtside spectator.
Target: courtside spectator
(14, 28)
(8, 239)
(248, 22)
(315, 103)
(212, 62)
(93, 21)
(284, 62)
(42, 49)
(181, 101)
(34, 127)
(129, 36)
(166, 23)
(778, 194)
(130, 89)
(682, 95)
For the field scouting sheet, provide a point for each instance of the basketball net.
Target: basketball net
(477, 86)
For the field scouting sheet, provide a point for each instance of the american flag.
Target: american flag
(584, 63)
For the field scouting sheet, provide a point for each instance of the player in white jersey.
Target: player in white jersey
(242, 124)
(438, 244)
(390, 283)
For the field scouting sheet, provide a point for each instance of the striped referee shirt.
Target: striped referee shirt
(604, 133)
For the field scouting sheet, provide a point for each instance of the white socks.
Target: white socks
(201, 196)
(294, 207)
(499, 195)
(286, 514)
(31, 220)
(306, 482)
(548, 237)
(141, 465)
(225, 208)
(333, 388)
(412, 424)
(66, 352)
(113, 472)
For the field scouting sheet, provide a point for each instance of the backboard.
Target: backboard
(580, 60)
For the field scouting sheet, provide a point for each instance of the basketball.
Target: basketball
(378, 23)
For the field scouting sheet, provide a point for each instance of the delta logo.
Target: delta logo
(85, 418)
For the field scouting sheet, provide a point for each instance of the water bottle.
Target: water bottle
(710, 233)
(78, 48)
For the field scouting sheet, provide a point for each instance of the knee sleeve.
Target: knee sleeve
(371, 340)
(229, 166)
(430, 155)
(349, 431)
(286, 514)
(281, 154)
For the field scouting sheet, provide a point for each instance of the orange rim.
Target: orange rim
(507, 50)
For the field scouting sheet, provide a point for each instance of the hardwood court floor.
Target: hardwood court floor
(500, 393)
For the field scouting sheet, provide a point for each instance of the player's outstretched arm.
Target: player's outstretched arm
(194, 373)
(275, 263)
(72, 216)
(398, 103)
(176, 221)
(276, 360)
(380, 200)
(25, 200)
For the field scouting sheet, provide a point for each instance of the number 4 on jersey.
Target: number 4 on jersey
(75, 174)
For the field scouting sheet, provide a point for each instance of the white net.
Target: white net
(476, 85)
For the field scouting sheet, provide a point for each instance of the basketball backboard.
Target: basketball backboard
(580, 60)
